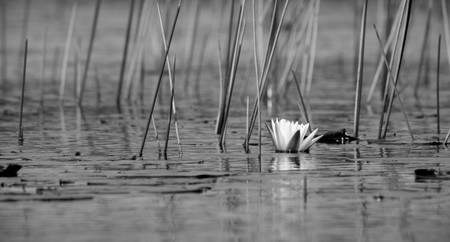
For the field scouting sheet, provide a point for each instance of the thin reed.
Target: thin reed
(155, 96)
(125, 54)
(65, 61)
(24, 72)
(359, 79)
(89, 53)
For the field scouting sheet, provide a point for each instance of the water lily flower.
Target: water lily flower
(288, 136)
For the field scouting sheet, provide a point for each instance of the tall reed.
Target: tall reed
(43, 67)
(391, 66)
(125, 55)
(24, 33)
(89, 53)
(24, 71)
(155, 96)
(392, 82)
(171, 82)
(172, 94)
(230, 76)
(267, 63)
(359, 79)
(399, 63)
(67, 52)
(301, 104)
(437, 86)
(255, 57)
(423, 49)
(4, 47)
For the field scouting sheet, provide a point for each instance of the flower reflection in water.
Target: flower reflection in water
(291, 162)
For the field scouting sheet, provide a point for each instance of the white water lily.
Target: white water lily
(288, 136)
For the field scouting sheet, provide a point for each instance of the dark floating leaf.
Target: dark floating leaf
(336, 137)
(10, 171)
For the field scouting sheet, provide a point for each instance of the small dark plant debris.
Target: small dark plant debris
(10, 171)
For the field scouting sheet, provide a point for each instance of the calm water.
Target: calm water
(80, 183)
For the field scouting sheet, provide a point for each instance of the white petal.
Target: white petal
(307, 142)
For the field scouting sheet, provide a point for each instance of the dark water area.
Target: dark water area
(81, 180)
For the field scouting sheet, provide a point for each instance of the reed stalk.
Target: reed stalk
(98, 86)
(191, 43)
(423, 50)
(246, 126)
(387, 46)
(160, 79)
(171, 82)
(172, 94)
(301, 104)
(137, 51)
(24, 33)
(230, 75)
(43, 67)
(230, 38)
(437, 86)
(447, 137)
(359, 79)
(234, 65)
(125, 55)
(399, 63)
(312, 55)
(158, 144)
(267, 65)
(199, 71)
(4, 53)
(392, 81)
(89, 53)
(221, 93)
(391, 65)
(258, 91)
(54, 74)
(446, 28)
(67, 53)
(24, 71)
(77, 73)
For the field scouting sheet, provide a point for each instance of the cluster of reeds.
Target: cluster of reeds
(271, 80)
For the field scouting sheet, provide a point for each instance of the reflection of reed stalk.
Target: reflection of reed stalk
(160, 79)
(91, 44)
(23, 92)
(359, 80)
